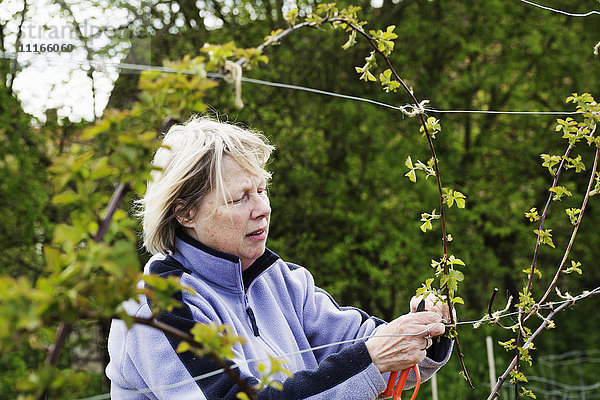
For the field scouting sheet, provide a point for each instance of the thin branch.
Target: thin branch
(575, 229)
(176, 333)
(115, 201)
(494, 393)
(521, 319)
(61, 336)
(56, 348)
(275, 39)
(440, 192)
(490, 314)
(543, 216)
(14, 66)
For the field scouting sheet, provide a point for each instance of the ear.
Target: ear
(183, 216)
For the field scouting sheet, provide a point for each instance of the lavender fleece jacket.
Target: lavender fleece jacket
(279, 311)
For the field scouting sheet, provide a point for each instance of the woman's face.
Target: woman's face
(240, 224)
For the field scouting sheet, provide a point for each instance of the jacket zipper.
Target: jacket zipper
(251, 316)
(254, 325)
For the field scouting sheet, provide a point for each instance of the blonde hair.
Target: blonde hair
(189, 166)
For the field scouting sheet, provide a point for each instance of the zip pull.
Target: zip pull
(252, 321)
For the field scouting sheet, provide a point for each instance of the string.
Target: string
(531, 3)
(245, 362)
(408, 109)
(258, 360)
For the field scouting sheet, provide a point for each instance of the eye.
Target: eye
(239, 200)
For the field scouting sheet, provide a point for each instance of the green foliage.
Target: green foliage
(419, 166)
(545, 236)
(341, 204)
(453, 196)
(532, 215)
(91, 263)
(559, 192)
(269, 376)
(24, 151)
(426, 218)
(432, 125)
(550, 162)
(573, 213)
(573, 268)
(215, 339)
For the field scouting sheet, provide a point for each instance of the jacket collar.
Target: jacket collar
(219, 268)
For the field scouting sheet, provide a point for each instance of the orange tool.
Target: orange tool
(400, 386)
(389, 391)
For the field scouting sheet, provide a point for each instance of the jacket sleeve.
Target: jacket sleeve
(348, 323)
(144, 364)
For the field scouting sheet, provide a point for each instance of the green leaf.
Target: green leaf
(573, 214)
(550, 162)
(412, 174)
(536, 271)
(575, 163)
(573, 268)
(183, 347)
(508, 345)
(426, 226)
(532, 215)
(351, 40)
(559, 192)
(66, 197)
(452, 196)
(545, 237)
(54, 258)
(457, 300)
(455, 261)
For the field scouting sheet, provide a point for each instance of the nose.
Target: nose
(261, 207)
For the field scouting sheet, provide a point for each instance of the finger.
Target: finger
(436, 329)
(442, 310)
(414, 303)
(425, 317)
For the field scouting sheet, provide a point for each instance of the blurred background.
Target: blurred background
(342, 206)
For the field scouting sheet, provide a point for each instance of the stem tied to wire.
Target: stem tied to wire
(382, 45)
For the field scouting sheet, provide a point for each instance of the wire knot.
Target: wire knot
(234, 76)
(416, 109)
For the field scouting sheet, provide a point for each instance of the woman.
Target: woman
(206, 218)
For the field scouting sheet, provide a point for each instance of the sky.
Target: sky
(59, 80)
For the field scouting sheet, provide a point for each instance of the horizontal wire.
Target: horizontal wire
(564, 386)
(569, 357)
(542, 306)
(283, 356)
(99, 65)
(258, 360)
(531, 3)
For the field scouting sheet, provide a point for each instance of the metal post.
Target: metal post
(489, 344)
(434, 391)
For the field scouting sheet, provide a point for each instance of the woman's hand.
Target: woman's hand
(432, 303)
(403, 342)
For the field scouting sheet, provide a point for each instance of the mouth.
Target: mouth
(256, 233)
